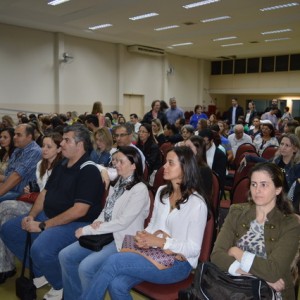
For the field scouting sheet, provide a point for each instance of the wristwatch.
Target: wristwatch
(42, 226)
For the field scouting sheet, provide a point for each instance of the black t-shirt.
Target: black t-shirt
(67, 186)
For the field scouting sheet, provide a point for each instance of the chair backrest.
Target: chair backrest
(165, 147)
(246, 147)
(243, 171)
(208, 239)
(269, 152)
(146, 172)
(147, 220)
(241, 191)
(158, 179)
(216, 194)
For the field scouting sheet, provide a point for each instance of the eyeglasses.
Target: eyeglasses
(121, 135)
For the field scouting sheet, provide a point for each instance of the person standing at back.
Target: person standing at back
(174, 112)
(155, 113)
(234, 112)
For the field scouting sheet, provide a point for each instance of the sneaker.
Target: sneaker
(54, 294)
(40, 281)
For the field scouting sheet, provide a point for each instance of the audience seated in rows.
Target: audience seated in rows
(21, 165)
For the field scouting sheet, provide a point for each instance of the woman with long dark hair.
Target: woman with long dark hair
(179, 216)
(7, 147)
(147, 144)
(125, 211)
(261, 237)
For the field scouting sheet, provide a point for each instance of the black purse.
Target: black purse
(210, 283)
(25, 289)
(96, 242)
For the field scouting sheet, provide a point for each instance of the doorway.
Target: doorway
(133, 104)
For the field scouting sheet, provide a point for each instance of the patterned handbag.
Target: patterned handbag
(157, 256)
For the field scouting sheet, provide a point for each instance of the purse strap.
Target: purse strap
(27, 250)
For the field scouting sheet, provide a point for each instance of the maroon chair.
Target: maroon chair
(241, 191)
(151, 196)
(155, 291)
(158, 179)
(165, 148)
(269, 152)
(246, 147)
(239, 173)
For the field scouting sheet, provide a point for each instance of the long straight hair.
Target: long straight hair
(190, 177)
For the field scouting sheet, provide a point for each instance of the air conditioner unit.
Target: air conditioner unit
(146, 50)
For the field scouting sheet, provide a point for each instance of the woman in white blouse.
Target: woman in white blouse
(179, 215)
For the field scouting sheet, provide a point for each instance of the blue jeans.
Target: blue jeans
(79, 265)
(122, 271)
(45, 246)
(9, 196)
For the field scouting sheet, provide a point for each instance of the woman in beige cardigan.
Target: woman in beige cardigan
(261, 237)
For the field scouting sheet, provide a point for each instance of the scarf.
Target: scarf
(119, 189)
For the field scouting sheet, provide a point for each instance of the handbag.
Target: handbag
(157, 256)
(25, 289)
(210, 283)
(96, 242)
(29, 197)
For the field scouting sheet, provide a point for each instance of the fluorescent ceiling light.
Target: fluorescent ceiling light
(200, 3)
(225, 38)
(276, 31)
(100, 26)
(57, 2)
(231, 45)
(279, 6)
(166, 28)
(182, 44)
(215, 19)
(275, 40)
(153, 14)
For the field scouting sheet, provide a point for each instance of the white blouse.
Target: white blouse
(184, 226)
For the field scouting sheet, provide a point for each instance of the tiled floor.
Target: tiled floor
(7, 290)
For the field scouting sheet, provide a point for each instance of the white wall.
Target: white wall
(33, 78)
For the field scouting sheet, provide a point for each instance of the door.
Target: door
(133, 104)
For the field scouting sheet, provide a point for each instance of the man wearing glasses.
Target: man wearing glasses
(238, 138)
(122, 135)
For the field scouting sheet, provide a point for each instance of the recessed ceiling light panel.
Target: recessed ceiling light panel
(279, 39)
(200, 3)
(225, 38)
(166, 27)
(232, 45)
(276, 31)
(279, 6)
(57, 2)
(145, 16)
(215, 19)
(100, 26)
(182, 44)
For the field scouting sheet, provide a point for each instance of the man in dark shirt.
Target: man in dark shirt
(234, 112)
(71, 199)
(155, 113)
